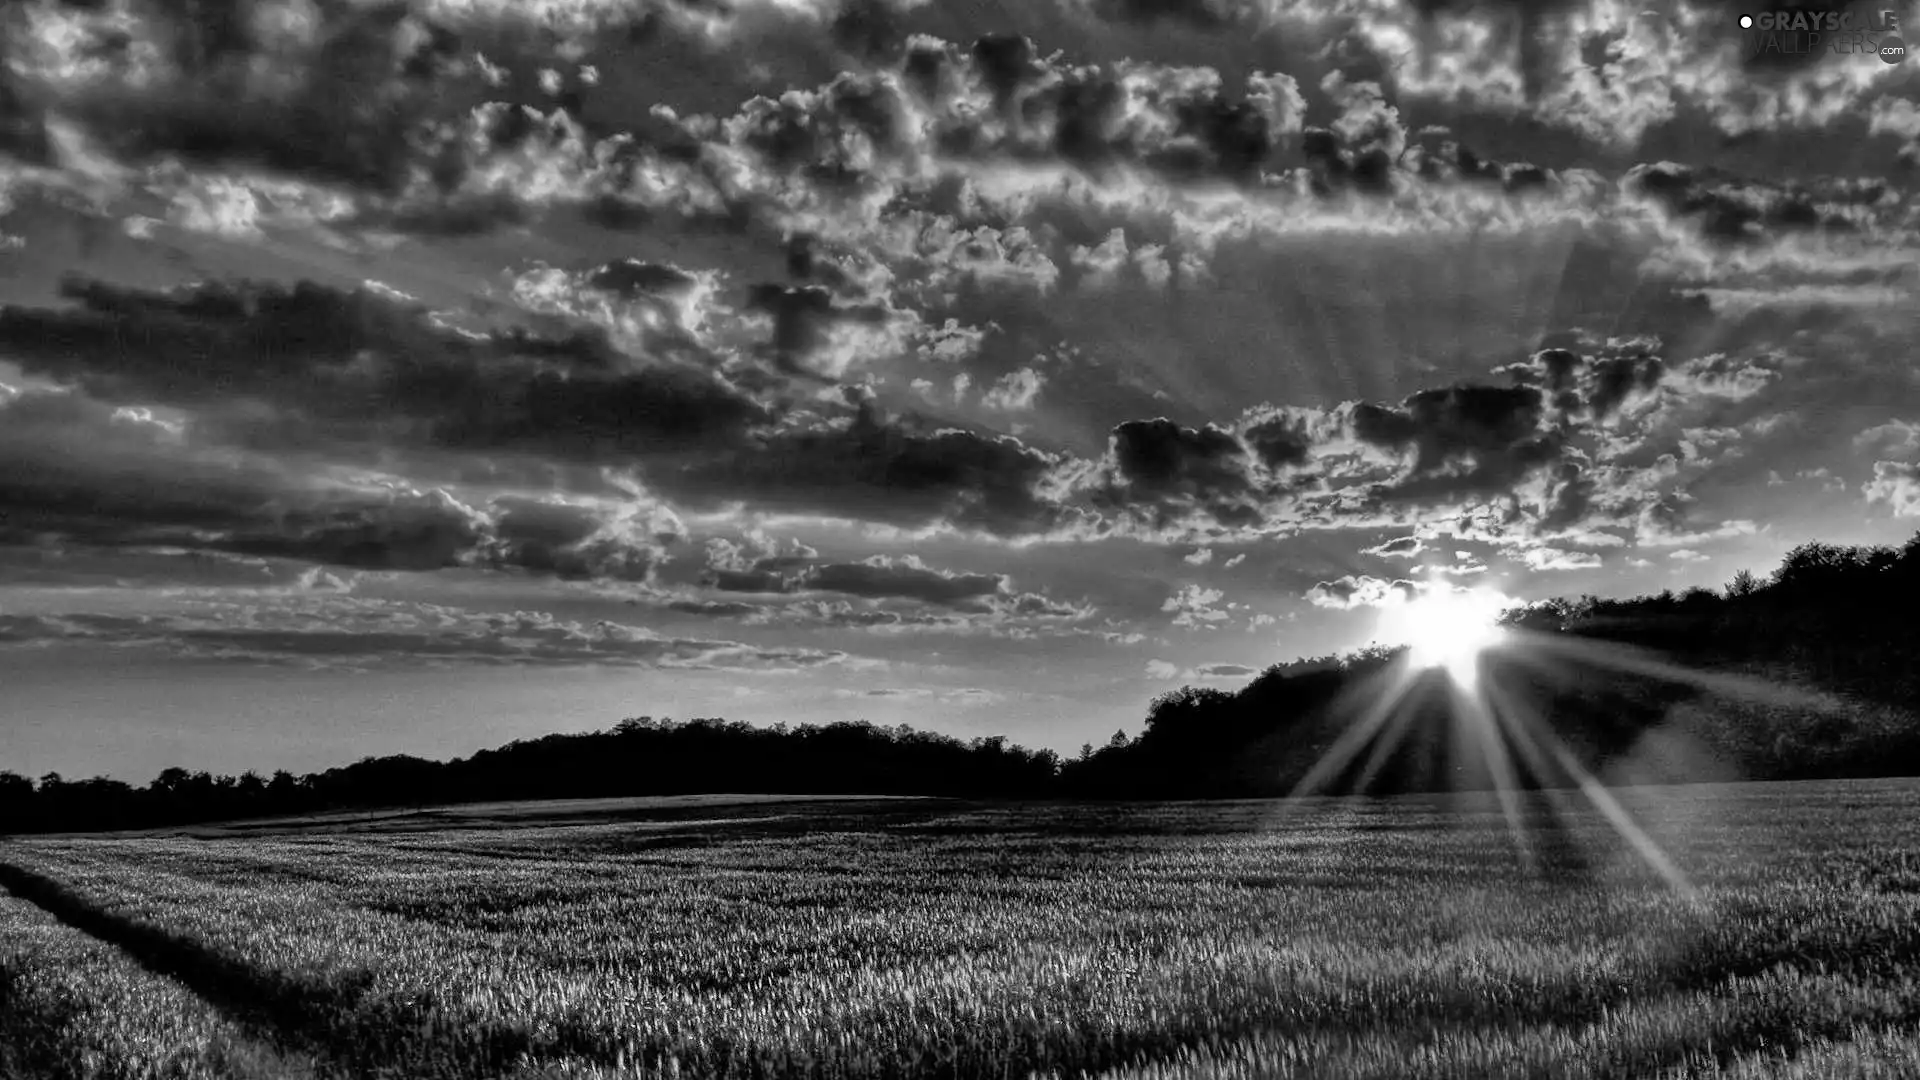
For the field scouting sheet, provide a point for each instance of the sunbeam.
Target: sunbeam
(1639, 661)
(1399, 680)
(1477, 721)
(1498, 741)
(1543, 751)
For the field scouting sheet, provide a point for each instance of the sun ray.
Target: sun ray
(1476, 714)
(1542, 750)
(1638, 661)
(1399, 680)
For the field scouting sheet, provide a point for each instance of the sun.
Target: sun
(1446, 628)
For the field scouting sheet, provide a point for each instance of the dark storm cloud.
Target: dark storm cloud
(344, 366)
(900, 472)
(1168, 472)
(1462, 440)
(824, 133)
(756, 565)
(802, 318)
(1725, 208)
(77, 471)
(356, 374)
(631, 279)
(1599, 382)
(332, 97)
(1280, 439)
(572, 541)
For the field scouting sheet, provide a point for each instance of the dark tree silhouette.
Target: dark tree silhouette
(1837, 619)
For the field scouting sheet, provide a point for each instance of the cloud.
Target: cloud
(1202, 14)
(965, 697)
(1897, 484)
(1896, 438)
(309, 360)
(1725, 209)
(358, 374)
(1193, 607)
(903, 577)
(79, 471)
(1552, 558)
(900, 472)
(1016, 392)
(623, 541)
(758, 564)
(813, 333)
(1200, 557)
(1358, 590)
(1164, 671)
(366, 634)
(1161, 476)
(1403, 547)
(325, 93)
(1011, 616)
(1688, 555)
(1464, 440)
(968, 601)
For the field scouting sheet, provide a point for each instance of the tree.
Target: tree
(1743, 585)
(172, 780)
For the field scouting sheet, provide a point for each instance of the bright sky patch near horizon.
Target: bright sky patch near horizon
(412, 377)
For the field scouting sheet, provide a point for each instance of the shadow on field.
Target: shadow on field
(334, 1023)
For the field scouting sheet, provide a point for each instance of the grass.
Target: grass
(1341, 939)
(76, 1007)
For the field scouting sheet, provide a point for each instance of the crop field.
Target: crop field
(1388, 938)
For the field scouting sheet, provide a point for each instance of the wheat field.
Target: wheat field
(1338, 938)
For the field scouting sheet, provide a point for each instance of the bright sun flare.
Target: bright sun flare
(1446, 629)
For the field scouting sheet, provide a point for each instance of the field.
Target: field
(903, 939)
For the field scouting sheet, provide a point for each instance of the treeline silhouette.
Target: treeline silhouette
(1831, 618)
(641, 756)
(1832, 633)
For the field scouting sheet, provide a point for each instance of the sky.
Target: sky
(411, 377)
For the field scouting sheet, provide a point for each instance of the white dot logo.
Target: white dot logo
(1746, 22)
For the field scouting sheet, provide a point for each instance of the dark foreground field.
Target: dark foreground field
(1340, 939)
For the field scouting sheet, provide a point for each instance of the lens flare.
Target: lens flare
(1503, 743)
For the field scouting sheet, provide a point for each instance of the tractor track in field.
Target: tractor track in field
(230, 991)
(331, 1026)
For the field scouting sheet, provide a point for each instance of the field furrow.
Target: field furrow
(75, 1007)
